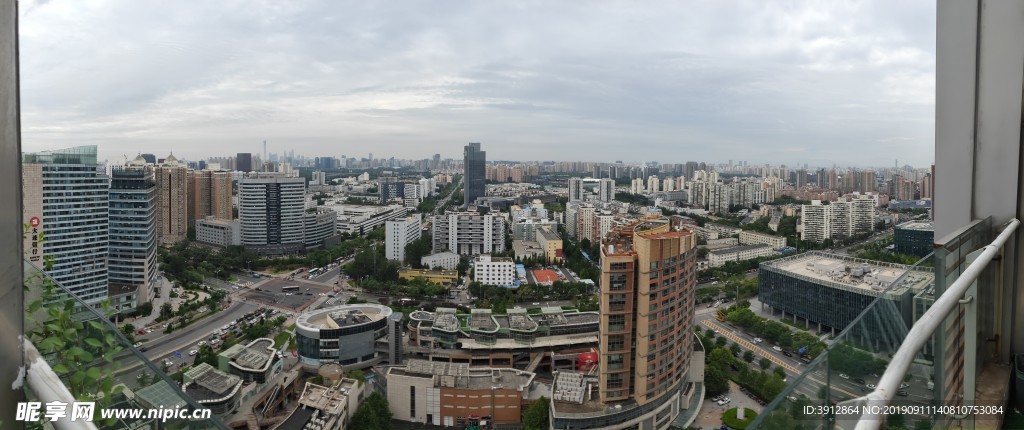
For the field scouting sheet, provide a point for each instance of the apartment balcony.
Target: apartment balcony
(74, 353)
(942, 372)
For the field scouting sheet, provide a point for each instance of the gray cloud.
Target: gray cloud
(850, 83)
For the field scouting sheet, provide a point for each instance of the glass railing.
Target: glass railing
(847, 386)
(852, 363)
(97, 366)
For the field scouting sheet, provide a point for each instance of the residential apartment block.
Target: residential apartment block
(399, 233)
(468, 233)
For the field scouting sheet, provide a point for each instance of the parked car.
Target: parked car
(787, 353)
(859, 381)
(777, 348)
(870, 386)
(844, 376)
(193, 352)
(904, 386)
(903, 393)
(758, 340)
(724, 401)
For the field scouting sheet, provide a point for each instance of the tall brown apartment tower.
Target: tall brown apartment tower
(209, 194)
(172, 201)
(648, 276)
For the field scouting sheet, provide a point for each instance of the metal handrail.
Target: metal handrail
(922, 330)
(48, 387)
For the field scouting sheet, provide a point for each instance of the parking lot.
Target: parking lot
(269, 292)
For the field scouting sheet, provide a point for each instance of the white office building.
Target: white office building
(271, 208)
(719, 257)
(72, 227)
(399, 233)
(446, 260)
(755, 238)
(500, 271)
(468, 233)
(218, 232)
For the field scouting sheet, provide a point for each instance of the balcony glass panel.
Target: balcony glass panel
(95, 360)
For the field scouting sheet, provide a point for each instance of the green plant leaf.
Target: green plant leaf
(78, 377)
(93, 373)
(60, 368)
(93, 342)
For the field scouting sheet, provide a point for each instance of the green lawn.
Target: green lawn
(729, 418)
(281, 338)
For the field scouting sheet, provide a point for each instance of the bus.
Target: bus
(290, 289)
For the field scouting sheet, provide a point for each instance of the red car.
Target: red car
(142, 331)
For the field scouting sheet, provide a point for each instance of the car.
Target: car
(536, 304)
(202, 342)
(193, 352)
(724, 401)
(777, 348)
(142, 331)
(717, 398)
(758, 340)
(142, 349)
(870, 386)
(904, 386)
(168, 363)
(844, 376)
(787, 353)
(791, 398)
(149, 330)
(137, 344)
(164, 326)
(859, 381)
(903, 393)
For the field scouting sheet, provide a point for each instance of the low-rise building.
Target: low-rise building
(490, 270)
(218, 232)
(320, 224)
(360, 219)
(455, 394)
(254, 362)
(442, 277)
(914, 238)
(212, 388)
(551, 243)
(344, 335)
(755, 238)
(323, 407)
(445, 260)
(719, 257)
(527, 249)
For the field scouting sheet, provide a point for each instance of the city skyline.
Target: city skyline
(781, 84)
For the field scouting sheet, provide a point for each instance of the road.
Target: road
(841, 389)
(442, 203)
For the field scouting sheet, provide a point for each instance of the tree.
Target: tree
(720, 341)
(536, 416)
(373, 414)
(735, 348)
(144, 310)
(715, 381)
(780, 372)
(416, 249)
(166, 312)
(144, 379)
(748, 356)
(765, 363)
(170, 327)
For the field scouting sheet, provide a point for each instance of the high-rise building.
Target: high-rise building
(576, 190)
(468, 233)
(606, 190)
(270, 209)
(399, 233)
(172, 201)
(652, 184)
(132, 230)
(816, 221)
(209, 194)
(474, 161)
(648, 276)
(70, 231)
(243, 162)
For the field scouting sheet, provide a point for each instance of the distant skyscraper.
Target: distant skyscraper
(270, 209)
(75, 223)
(243, 162)
(172, 201)
(133, 239)
(474, 161)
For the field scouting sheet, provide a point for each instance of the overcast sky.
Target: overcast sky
(781, 82)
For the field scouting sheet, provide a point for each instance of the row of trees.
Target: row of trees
(774, 331)
(725, 363)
